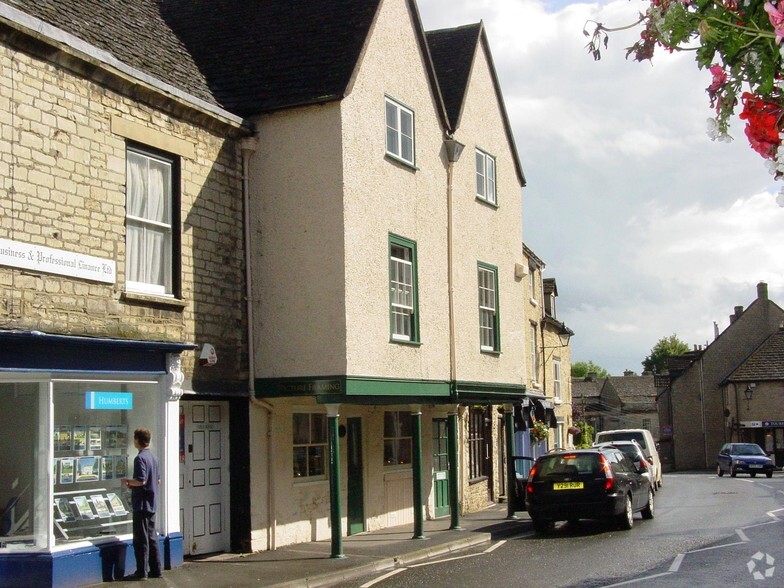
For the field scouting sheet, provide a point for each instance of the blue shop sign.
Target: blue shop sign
(108, 401)
(773, 423)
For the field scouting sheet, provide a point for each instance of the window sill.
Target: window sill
(492, 352)
(402, 162)
(473, 481)
(309, 480)
(175, 303)
(487, 202)
(404, 342)
(398, 473)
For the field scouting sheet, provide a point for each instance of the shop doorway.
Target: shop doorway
(204, 477)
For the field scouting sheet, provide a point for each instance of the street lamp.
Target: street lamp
(748, 392)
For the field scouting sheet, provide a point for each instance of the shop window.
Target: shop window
(477, 464)
(310, 444)
(19, 482)
(93, 448)
(397, 437)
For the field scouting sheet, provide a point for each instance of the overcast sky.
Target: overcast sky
(648, 226)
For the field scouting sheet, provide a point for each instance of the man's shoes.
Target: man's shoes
(135, 577)
(152, 575)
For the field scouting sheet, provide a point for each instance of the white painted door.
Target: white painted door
(204, 476)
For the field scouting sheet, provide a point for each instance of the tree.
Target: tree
(740, 43)
(666, 347)
(581, 369)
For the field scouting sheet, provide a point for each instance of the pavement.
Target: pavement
(310, 565)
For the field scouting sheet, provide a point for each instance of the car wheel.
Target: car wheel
(769, 474)
(626, 518)
(647, 512)
(733, 473)
(541, 525)
(719, 471)
(753, 474)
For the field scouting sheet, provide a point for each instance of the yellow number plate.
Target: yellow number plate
(567, 486)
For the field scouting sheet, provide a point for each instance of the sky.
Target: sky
(649, 227)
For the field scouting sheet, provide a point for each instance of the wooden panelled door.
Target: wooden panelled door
(204, 477)
(355, 487)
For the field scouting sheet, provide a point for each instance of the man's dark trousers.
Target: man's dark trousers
(145, 544)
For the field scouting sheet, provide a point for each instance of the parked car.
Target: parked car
(746, 458)
(634, 452)
(595, 483)
(645, 439)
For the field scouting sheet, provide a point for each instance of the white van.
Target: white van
(643, 438)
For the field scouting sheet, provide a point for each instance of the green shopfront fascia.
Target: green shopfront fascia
(334, 391)
(70, 406)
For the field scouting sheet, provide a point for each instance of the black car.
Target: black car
(596, 483)
(746, 458)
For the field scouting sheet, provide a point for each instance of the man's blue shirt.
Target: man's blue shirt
(144, 498)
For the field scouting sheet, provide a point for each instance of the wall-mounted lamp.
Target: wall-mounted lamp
(748, 393)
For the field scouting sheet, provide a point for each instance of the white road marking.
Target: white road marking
(382, 578)
(676, 563)
(492, 548)
(432, 563)
(638, 580)
(741, 534)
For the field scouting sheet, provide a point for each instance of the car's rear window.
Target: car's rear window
(626, 436)
(571, 464)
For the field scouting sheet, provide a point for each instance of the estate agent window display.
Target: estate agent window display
(92, 449)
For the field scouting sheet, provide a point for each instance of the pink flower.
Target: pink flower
(719, 77)
(776, 20)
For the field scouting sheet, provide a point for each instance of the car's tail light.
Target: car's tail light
(644, 465)
(609, 477)
(529, 488)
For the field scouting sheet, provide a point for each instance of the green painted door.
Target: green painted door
(355, 491)
(440, 468)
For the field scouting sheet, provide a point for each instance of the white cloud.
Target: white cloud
(649, 227)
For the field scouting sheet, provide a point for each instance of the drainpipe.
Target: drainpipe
(453, 150)
(702, 410)
(249, 145)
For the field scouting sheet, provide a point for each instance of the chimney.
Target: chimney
(590, 377)
(628, 373)
(738, 312)
(762, 291)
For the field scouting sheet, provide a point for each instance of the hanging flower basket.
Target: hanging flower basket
(574, 430)
(539, 431)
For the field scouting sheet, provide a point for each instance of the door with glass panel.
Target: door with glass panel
(204, 477)
(440, 467)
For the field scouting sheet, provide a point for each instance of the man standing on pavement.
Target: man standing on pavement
(144, 502)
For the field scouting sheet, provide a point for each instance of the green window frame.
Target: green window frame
(489, 317)
(403, 291)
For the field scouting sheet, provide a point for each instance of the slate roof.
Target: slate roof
(765, 363)
(452, 52)
(247, 56)
(133, 31)
(262, 55)
(635, 392)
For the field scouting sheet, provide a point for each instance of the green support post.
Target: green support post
(454, 474)
(416, 434)
(511, 478)
(335, 515)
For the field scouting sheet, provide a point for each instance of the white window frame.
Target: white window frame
(487, 278)
(486, 187)
(145, 223)
(307, 476)
(534, 351)
(401, 424)
(557, 379)
(400, 131)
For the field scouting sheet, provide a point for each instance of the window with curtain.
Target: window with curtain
(148, 223)
(310, 444)
(476, 444)
(557, 378)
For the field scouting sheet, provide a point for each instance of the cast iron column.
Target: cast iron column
(335, 516)
(416, 439)
(454, 470)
